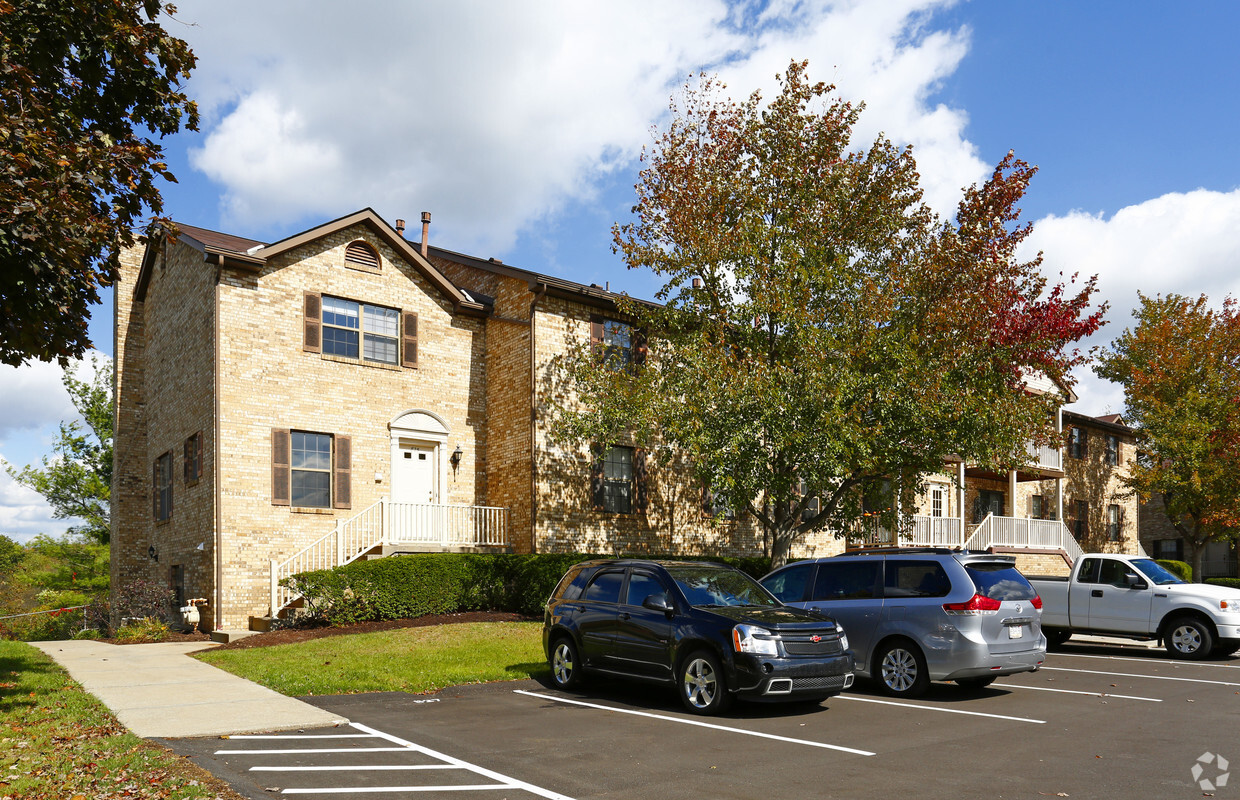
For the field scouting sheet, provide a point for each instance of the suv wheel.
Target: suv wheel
(702, 687)
(565, 666)
(1188, 637)
(902, 670)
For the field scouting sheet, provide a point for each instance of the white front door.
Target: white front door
(413, 477)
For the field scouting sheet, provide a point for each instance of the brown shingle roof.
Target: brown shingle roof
(224, 241)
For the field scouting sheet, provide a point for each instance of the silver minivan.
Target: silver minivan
(914, 615)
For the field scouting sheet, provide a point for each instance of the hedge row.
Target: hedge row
(1230, 583)
(407, 586)
(1180, 569)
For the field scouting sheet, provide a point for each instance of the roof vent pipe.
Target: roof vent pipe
(400, 227)
(426, 230)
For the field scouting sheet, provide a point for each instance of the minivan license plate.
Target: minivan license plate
(1016, 631)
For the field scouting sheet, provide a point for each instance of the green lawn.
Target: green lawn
(58, 741)
(404, 660)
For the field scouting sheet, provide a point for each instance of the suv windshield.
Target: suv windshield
(1155, 571)
(711, 586)
(1000, 581)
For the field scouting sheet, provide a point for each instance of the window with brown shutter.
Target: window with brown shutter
(162, 485)
(342, 473)
(361, 255)
(280, 463)
(641, 491)
(191, 470)
(312, 323)
(598, 499)
(409, 339)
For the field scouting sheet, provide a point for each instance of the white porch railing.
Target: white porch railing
(388, 523)
(1032, 534)
(1046, 457)
(917, 531)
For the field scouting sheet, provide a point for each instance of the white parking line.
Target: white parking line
(938, 708)
(1164, 661)
(1147, 677)
(360, 769)
(1073, 691)
(311, 750)
(298, 736)
(694, 722)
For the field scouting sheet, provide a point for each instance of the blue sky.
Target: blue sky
(519, 127)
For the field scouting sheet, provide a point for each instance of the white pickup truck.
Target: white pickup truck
(1117, 595)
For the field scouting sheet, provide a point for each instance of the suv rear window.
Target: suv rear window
(571, 584)
(906, 578)
(1000, 582)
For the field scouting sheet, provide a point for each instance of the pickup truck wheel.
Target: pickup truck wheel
(702, 686)
(1188, 637)
(565, 664)
(902, 670)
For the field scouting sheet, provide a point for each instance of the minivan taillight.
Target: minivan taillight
(977, 604)
(1037, 602)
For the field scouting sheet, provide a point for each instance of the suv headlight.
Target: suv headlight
(755, 640)
(843, 636)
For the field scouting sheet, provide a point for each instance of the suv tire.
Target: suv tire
(565, 664)
(702, 687)
(901, 669)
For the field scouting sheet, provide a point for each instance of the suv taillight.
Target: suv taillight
(1037, 602)
(977, 604)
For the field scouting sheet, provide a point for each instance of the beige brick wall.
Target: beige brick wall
(165, 395)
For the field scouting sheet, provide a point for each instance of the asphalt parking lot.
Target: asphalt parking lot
(1094, 722)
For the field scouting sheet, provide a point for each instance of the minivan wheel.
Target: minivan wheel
(1188, 637)
(565, 666)
(702, 686)
(902, 670)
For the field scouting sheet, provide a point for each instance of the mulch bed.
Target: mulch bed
(305, 634)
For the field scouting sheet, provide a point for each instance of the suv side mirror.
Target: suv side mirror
(1133, 581)
(658, 602)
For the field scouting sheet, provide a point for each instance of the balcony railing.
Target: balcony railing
(1045, 457)
(917, 531)
(1025, 534)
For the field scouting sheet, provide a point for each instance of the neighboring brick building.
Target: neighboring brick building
(344, 389)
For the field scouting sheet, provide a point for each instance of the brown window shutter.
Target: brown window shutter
(312, 323)
(155, 491)
(708, 502)
(187, 460)
(639, 347)
(281, 444)
(1084, 443)
(198, 455)
(597, 500)
(170, 482)
(408, 339)
(641, 492)
(596, 336)
(342, 472)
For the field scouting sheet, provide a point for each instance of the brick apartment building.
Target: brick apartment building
(291, 405)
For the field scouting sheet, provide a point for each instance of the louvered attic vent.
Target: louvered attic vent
(361, 255)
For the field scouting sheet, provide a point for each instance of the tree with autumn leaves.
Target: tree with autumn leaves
(84, 86)
(820, 334)
(1180, 369)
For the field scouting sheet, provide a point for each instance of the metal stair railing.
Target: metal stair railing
(348, 541)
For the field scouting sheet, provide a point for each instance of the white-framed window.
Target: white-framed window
(1113, 518)
(937, 496)
(1112, 450)
(361, 331)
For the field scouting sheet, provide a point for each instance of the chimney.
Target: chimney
(400, 227)
(697, 283)
(426, 230)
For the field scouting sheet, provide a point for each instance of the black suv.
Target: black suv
(711, 630)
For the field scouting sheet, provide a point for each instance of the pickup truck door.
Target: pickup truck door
(1116, 606)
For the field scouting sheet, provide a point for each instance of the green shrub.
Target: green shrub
(1230, 583)
(142, 631)
(49, 625)
(1179, 569)
(403, 587)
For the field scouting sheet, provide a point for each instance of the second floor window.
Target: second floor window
(1112, 450)
(1078, 441)
(360, 330)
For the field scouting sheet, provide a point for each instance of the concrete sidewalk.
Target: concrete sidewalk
(157, 691)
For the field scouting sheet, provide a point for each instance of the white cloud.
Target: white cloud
(497, 116)
(32, 396)
(24, 513)
(1187, 243)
